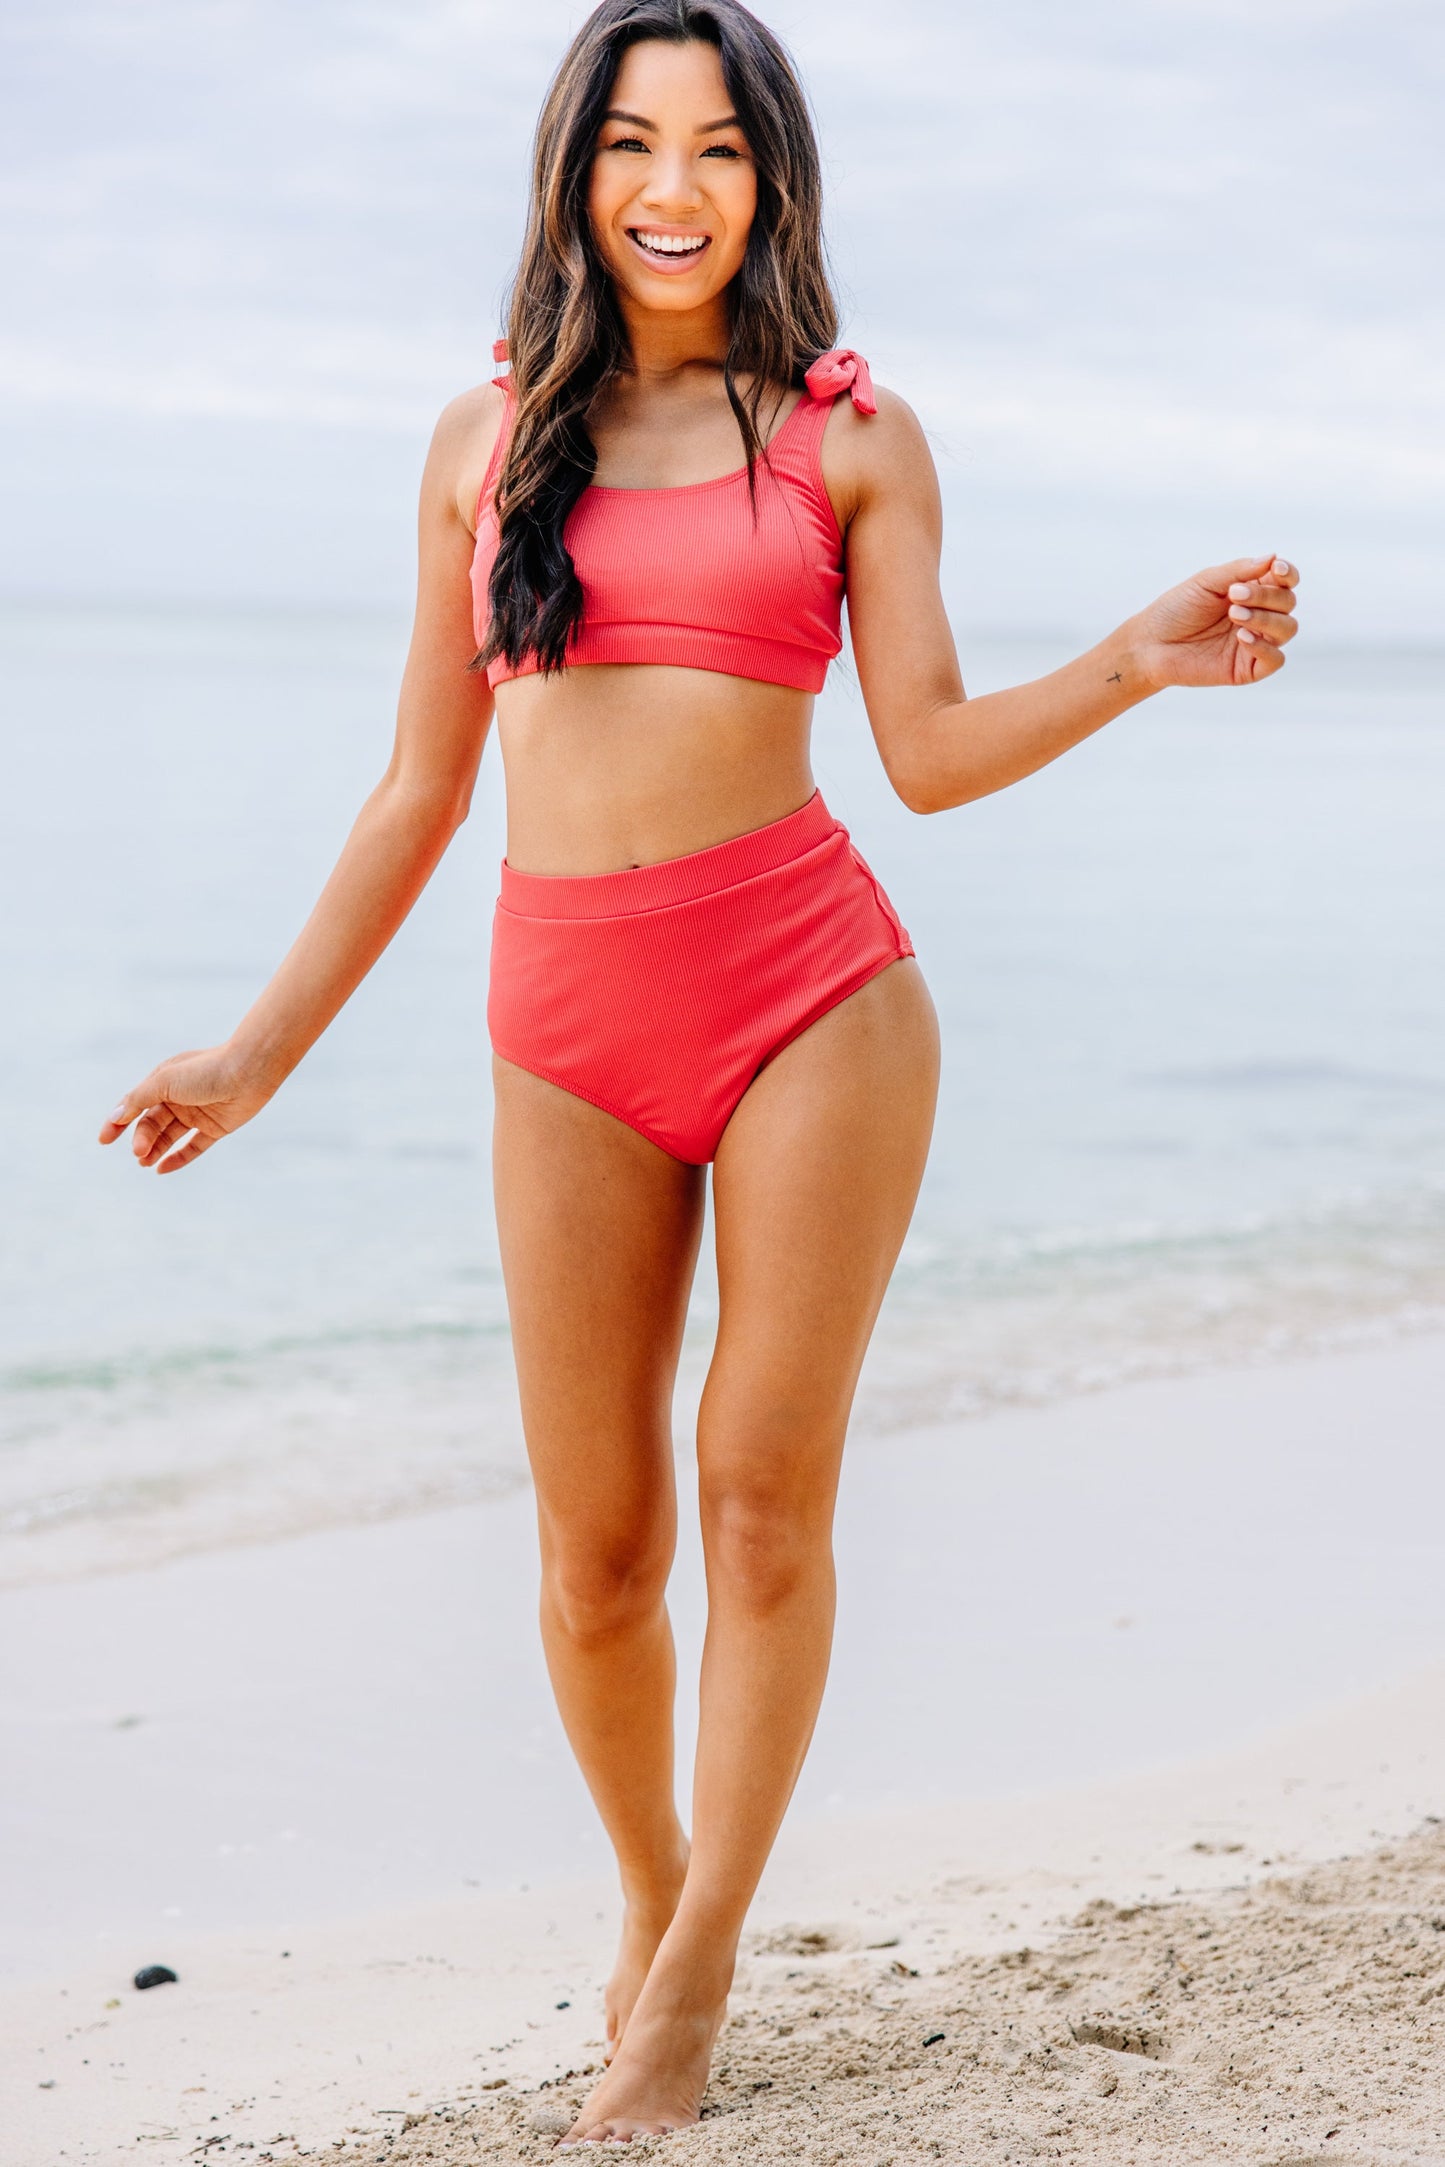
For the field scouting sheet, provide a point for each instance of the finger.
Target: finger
(120, 1117)
(161, 1126)
(1257, 657)
(1263, 624)
(195, 1144)
(1221, 577)
(1259, 594)
(155, 1136)
(149, 1121)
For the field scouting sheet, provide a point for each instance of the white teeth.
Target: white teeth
(671, 244)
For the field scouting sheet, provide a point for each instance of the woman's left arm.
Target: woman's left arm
(1226, 626)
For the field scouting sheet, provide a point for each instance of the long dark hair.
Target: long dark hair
(564, 329)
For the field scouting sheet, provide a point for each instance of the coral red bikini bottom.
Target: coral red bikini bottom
(658, 993)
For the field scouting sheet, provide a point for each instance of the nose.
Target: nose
(671, 188)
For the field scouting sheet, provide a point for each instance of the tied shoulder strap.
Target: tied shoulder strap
(842, 370)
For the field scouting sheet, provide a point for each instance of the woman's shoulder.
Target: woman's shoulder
(472, 417)
(865, 454)
(887, 429)
(463, 442)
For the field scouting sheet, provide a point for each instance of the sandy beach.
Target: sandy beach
(1253, 2025)
(1217, 1931)
(1242, 1960)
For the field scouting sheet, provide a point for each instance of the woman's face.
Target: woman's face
(674, 187)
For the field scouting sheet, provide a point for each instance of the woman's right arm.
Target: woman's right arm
(191, 1101)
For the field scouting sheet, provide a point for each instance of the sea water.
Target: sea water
(1193, 1108)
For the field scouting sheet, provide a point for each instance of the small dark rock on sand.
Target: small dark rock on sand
(155, 1975)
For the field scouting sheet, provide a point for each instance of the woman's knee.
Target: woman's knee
(762, 1544)
(599, 1588)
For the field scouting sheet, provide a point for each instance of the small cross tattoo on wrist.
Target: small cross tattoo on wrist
(1116, 679)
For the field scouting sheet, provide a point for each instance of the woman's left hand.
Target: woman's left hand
(1226, 626)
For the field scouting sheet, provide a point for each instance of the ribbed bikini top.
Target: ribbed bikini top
(687, 574)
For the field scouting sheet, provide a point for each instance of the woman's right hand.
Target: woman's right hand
(187, 1104)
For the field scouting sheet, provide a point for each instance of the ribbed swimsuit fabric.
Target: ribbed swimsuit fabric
(688, 574)
(658, 993)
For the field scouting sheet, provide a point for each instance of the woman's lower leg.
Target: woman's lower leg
(771, 1603)
(615, 1685)
(613, 1671)
(764, 1666)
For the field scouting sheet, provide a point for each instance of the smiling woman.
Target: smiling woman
(691, 962)
(651, 170)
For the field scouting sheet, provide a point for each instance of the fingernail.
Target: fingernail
(119, 1116)
(1281, 567)
(1239, 613)
(1247, 637)
(1238, 591)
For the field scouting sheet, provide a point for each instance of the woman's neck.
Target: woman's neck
(663, 342)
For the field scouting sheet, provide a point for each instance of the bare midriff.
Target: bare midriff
(618, 765)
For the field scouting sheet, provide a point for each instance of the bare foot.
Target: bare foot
(657, 2079)
(641, 1933)
(644, 1922)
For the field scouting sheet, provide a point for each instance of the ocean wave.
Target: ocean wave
(111, 1465)
(1043, 1314)
(124, 1461)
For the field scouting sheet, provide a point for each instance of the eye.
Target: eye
(626, 142)
(721, 150)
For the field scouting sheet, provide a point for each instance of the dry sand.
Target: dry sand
(1299, 2021)
(1235, 1957)
(1240, 1959)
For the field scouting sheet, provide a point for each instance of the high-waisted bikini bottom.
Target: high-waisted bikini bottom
(659, 993)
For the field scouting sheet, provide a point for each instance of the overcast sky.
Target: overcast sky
(1164, 280)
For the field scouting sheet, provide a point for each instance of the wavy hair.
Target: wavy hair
(565, 332)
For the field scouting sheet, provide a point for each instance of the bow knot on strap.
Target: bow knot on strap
(842, 370)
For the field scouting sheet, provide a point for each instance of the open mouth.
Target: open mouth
(669, 251)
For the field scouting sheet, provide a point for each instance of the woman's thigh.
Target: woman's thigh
(814, 1187)
(599, 1235)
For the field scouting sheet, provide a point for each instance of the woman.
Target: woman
(690, 964)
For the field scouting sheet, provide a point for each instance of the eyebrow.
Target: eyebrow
(639, 120)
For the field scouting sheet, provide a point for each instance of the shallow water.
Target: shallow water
(1193, 1109)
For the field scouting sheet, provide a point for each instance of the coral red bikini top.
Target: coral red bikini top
(686, 575)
